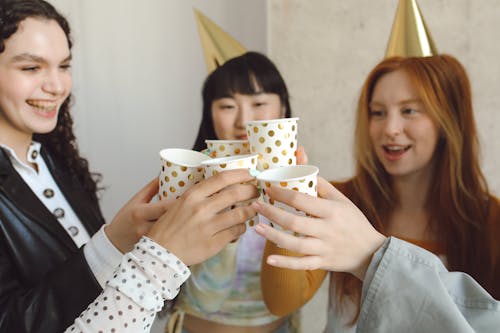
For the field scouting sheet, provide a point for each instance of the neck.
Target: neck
(18, 141)
(412, 192)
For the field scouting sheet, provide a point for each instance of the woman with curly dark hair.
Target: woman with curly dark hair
(56, 253)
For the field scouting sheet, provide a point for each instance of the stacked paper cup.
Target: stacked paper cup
(222, 148)
(216, 165)
(180, 168)
(274, 140)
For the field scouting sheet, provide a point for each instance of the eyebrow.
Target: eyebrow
(406, 101)
(35, 58)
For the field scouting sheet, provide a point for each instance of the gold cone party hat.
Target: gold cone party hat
(217, 44)
(410, 36)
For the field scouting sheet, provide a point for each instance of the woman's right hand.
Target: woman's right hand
(337, 238)
(197, 226)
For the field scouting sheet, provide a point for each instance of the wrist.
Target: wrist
(374, 245)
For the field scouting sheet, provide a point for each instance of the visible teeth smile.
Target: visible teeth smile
(43, 106)
(396, 148)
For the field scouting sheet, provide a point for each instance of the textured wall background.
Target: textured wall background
(326, 48)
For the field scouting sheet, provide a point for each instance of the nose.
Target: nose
(394, 125)
(243, 116)
(54, 83)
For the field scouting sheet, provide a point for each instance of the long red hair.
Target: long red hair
(458, 199)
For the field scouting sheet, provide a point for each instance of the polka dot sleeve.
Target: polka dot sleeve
(146, 277)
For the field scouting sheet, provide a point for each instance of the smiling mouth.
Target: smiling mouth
(45, 107)
(396, 149)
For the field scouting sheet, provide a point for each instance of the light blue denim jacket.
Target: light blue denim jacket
(408, 289)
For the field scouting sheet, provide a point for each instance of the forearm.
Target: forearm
(408, 289)
(146, 277)
(286, 290)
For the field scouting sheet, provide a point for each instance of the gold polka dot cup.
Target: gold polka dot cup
(180, 168)
(217, 165)
(274, 140)
(223, 148)
(300, 178)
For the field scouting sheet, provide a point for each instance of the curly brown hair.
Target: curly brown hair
(61, 142)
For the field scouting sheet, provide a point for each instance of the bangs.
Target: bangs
(231, 83)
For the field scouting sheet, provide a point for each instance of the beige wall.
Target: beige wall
(138, 70)
(325, 49)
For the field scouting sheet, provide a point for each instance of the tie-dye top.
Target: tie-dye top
(226, 288)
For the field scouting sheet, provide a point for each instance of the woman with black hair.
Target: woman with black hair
(223, 293)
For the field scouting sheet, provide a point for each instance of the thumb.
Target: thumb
(328, 191)
(147, 192)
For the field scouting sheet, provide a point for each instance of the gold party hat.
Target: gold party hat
(217, 44)
(409, 36)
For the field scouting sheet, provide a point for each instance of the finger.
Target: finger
(301, 245)
(307, 203)
(216, 183)
(230, 196)
(223, 237)
(147, 193)
(298, 263)
(232, 217)
(301, 156)
(153, 211)
(287, 220)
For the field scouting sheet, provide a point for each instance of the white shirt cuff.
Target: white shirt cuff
(102, 256)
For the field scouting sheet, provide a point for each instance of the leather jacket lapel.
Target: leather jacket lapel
(23, 198)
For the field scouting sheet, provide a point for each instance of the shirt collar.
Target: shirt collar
(32, 156)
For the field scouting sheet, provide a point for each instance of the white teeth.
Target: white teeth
(396, 148)
(45, 107)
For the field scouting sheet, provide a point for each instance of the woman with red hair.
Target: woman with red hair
(427, 260)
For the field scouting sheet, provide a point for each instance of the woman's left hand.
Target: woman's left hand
(338, 238)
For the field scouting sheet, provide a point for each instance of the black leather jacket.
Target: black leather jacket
(45, 281)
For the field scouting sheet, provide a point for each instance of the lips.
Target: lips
(395, 152)
(47, 109)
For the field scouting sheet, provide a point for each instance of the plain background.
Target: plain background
(139, 68)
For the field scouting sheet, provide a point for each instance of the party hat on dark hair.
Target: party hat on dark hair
(410, 36)
(217, 44)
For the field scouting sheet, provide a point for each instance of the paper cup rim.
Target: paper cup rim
(195, 155)
(226, 141)
(278, 120)
(220, 160)
(265, 175)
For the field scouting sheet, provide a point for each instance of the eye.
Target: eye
(30, 68)
(377, 113)
(226, 106)
(409, 111)
(259, 104)
(65, 67)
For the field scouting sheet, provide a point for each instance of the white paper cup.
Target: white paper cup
(180, 168)
(301, 178)
(274, 140)
(222, 148)
(216, 165)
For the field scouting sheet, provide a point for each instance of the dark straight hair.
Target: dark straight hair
(249, 74)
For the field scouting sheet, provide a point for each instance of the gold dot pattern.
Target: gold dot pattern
(177, 179)
(224, 148)
(304, 185)
(270, 138)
